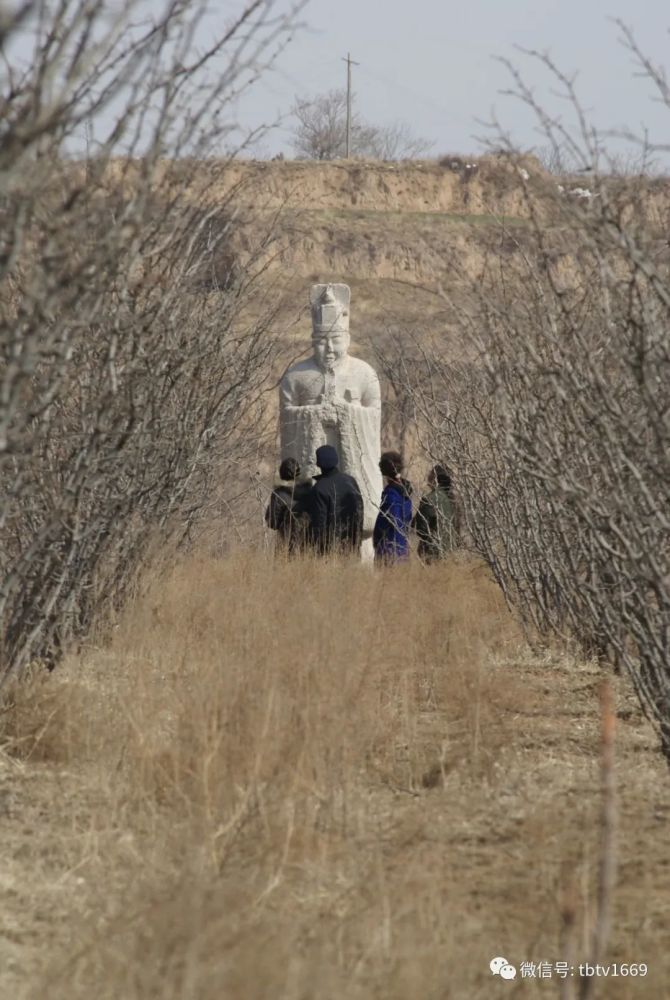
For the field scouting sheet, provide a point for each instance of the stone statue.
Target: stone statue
(334, 399)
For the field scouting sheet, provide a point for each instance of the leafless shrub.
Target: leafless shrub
(398, 142)
(552, 160)
(399, 368)
(622, 163)
(560, 430)
(119, 379)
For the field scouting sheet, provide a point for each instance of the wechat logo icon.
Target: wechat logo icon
(501, 967)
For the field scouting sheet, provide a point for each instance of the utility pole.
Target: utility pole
(350, 62)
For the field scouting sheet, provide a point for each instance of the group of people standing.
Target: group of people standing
(328, 515)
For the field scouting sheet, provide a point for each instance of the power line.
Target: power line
(429, 102)
(349, 61)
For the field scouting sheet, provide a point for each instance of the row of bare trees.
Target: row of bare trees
(128, 354)
(558, 428)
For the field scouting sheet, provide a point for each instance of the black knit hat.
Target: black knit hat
(442, 477)
(289, 469)
(327, 457)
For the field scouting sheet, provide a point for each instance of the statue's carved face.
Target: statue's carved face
(330, 347)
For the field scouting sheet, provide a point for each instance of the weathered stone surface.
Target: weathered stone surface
(333, 398)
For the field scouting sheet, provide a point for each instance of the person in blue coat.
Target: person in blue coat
(391, 534)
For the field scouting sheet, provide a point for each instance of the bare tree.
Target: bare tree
(321, 126)
(397, 142)
(125, 360)
(320, 132)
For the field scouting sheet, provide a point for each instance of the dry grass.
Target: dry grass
(312, 780)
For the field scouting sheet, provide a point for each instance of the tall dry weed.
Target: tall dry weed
(241, 726)
(294, 779)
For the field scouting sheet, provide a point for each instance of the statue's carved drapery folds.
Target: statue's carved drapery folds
(335, 399)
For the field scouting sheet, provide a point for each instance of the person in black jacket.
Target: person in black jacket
(335, 506)
(286, 513)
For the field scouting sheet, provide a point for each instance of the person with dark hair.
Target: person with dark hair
(286, 512)
(335, 506)
(436, 522)
(391, 534)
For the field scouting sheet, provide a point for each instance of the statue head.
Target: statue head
(330, 323)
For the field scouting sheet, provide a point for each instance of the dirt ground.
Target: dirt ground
(369, 792)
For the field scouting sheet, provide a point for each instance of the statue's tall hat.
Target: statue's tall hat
(330, 308)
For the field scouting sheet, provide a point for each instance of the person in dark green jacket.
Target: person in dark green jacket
(436, 521)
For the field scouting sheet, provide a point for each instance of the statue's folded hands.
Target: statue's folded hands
(329, 413)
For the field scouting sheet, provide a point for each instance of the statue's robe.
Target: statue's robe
(352, 389)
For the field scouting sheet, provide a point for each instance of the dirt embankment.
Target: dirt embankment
(416, 224)
(400, 234)
(480, 186)
(392, 231)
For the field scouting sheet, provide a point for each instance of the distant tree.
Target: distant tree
(320, 132)
(397, 142)
(637, 162)
(555, 159)
(321, 127)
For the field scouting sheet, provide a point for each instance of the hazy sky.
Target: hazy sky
(432, 63)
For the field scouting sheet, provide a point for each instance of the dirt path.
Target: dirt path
(475, 836)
